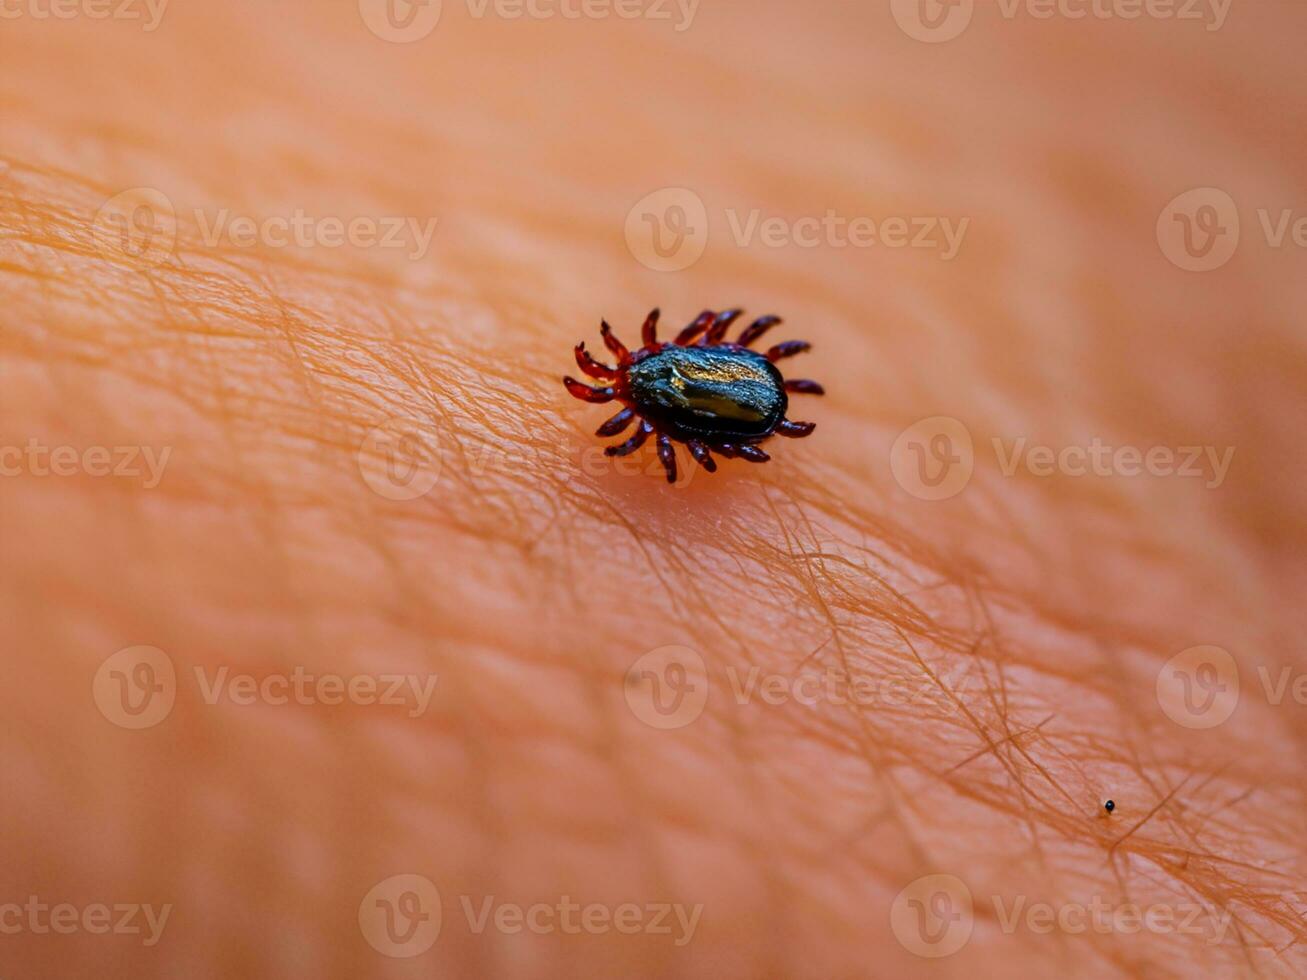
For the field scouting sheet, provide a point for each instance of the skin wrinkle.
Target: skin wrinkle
(311, 351)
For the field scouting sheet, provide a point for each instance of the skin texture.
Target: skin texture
(1011, 635)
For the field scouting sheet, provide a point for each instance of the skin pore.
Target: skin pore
(896, 686)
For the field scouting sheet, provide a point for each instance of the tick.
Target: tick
(699, 389)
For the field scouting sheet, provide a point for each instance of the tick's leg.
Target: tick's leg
(752, 453)
(788, 349)
(588, 394)
(804, 387)
(726, 449)
(756, 329)
(668, 456)
(795, 430)
(632, 444)
(592, 367)
(702, 456)
(616, 424)
(697, 326)
(612, 343)
(649, 332)
(720, 325)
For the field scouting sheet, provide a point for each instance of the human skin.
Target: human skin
(956, 686)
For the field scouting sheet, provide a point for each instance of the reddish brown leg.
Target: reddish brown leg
(632, 444)
(617, 348)
(588, 394)
(752, 453)
(720, 325)
(668, 456)
(649, 332)
(592, 367)
(795, 430)
(788, 349)
(616, 424)
(697, 326)
(756, 329)
(804, 387)
(702, 456)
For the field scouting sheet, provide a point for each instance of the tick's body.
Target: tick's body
(708, 392)
(713, 396)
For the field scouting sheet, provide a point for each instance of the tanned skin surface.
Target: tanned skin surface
(1007, 640)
